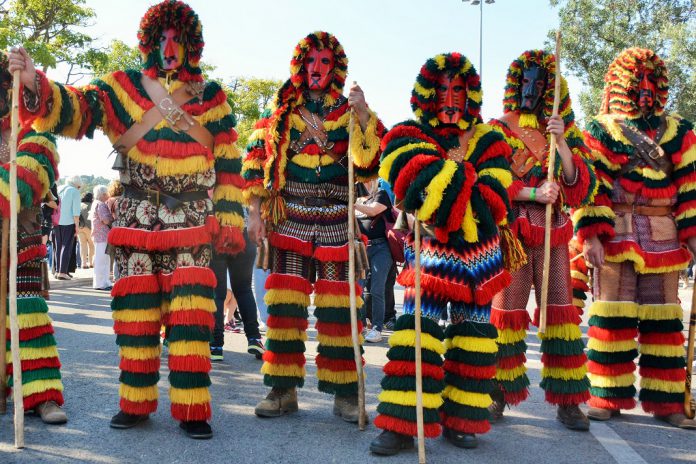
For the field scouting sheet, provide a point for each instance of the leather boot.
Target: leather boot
(278, 402)
(389, 443)
(51, 413)
(459, 439)
(601, 414)
(347, 408)
(124, 420)
(678, 420)
(199, 430)
(497, 407)
(572, 417)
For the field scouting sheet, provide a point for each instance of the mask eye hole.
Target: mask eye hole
(325, 61)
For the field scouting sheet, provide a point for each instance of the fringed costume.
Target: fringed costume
(37, 161)
(300, 174)
(459, 192)
(644, 212)
(166, 218)
(564, 376)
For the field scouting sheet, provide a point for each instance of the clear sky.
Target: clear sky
(386, 41)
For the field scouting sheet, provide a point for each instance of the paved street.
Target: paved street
(528, 434)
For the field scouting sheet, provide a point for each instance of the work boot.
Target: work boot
(51, 413)
(278, 402)
(124, 420)
(497, 407)
(459, 439)
(678, 420)
(572, 417)
(347, 408)
(601, 414)
(389, 443)
(199, 430)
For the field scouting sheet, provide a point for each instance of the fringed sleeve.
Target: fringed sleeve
(365, 146)
(227, 196)
(37, 161)
(515, 144)
(255, 159)
(597, 219)
(584, 187)
(684, 177)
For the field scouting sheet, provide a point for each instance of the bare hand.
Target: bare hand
(556, 127)
(19, 60)
(547, 193)
(594, 251)
(356, 100)
(256, 228)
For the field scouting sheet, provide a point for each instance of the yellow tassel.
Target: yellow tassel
(27, 354)
(469, 225)
(408, 398)
(341, 377)
(473, 344)
(28, 321)
(660, 312)
(408, 338)
(435, 189)
(278, 296)
(529, 120)
(40, 386)
(342, 342)
(335, 301)
(365, 145)
(274, 209)
(665, 351)
(476, 400)
(187, 303)
(662, 385)
(189, 348)
(601, 381)
(137, 315)
(611, 347)
(514, 256)
(230, 219)
(140, 353)
(614, 309)
(510, 374)
(138, 394)
(577, 373)
(189, 395)
(564, 332)
(283, 370)
(508, 336)
(286, 334)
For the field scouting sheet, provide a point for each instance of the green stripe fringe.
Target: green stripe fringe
(189, 379)
(408, 412)
(281, 381)
(430, 385)
(138, 379)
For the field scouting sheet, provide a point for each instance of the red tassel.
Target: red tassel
(611, 403)
(438, 286)
(193, 276)
(137, 328)
(191, 412)
(34, 364)
(567, 399)
(334, 254)
(229, 241)
(673, 338)
(192, 317)
(34, 252)
(610, 370)
(288, 282)
(285, 242)
(129, 285)
(189, 364)
(559, 314)
(32, 332)
(335, 365)
(517, 319)
(404, 427)
(511, 362)
(333, 287)
(662, 409)
(461, 425)
(567, 362)
(612, 335)
(163, 240)
(282, 322)
(515, 398)
(297, 359)
(677, 257)
(140, 366)
(469, 370)
(408, 369)
(670, 375)
(332, 329)
(31, 401)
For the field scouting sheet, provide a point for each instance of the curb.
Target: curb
(80, 282)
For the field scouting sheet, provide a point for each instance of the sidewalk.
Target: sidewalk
(81, 278)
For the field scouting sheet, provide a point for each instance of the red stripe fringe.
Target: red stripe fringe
(191, 412)
(469, 370)
(671, 375)
(408, 369)
(34, 364)
(35, 252)
(567, 399)
(517, 319)
(297, 359)
(332, 329)
(31, 401)
(129, 285)
(611, 403)
(678, 257)
(662, 409)
(288, 282)
(612, 335)
(334, 254)
(603, 230)
(404, 427)
(140, 366)
(137, 328)
(191, 317)
(164, 240)
(567, 362)
(533, 235)
(511, 362)
(461, 425)
(285, 242)
(332, 287)
(335, 365)
(576, 194)
(189, 364)
(32, 332)
(559, 314)
(193, 276)
(229, 178)
(515, 398)
(610, 370)
(656, 338)
(139, 408)
(229, 241)
(281, 322)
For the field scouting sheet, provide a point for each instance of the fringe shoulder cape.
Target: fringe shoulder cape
(116, 101)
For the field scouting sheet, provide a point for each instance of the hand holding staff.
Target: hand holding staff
(549, 206)
(362, 415)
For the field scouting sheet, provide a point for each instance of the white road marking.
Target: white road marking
(615, 445)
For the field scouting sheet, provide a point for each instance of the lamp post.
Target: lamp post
(480, 4)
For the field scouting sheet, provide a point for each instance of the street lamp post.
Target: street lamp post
(480, 4)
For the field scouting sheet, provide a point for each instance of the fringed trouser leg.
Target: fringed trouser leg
(397, 407)
(469, 367)
(41, 379)
(287, 298)
(190, 320)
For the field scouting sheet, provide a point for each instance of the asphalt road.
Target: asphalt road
(82, 318)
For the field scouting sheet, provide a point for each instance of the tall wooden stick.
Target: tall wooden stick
(4, 252)
(689, 405)
(549, 206)
(419, 362)
(362, 415)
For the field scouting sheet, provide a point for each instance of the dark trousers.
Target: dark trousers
(374, 292)
(240, 269)
(65, 247)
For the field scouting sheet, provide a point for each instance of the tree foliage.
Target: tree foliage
(595, 31)
(117, 56)
(249, 96)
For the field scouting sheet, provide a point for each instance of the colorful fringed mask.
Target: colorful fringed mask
(168, 29)
(447, 92)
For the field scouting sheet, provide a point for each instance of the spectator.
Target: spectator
(115, 190)
(101, 223)
(370, 211)
(84, 234)
(68, 225)
(48, 207)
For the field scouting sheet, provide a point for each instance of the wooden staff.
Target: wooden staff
(420, 428)
(689, 404)
(549, 206)
(362, 415)
(3, 314)
(17, 394)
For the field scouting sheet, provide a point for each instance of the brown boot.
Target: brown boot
(573, 418)
(497, 407)
(278, 402)
(601, 414)
(347, 408)
(51, 413)
(678, 420)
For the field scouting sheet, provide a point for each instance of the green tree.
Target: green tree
(248, 97)
(595, 31)
(51, 31)
(117, 56)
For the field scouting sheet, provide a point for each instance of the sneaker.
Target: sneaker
(389, 325)
(373, 336)
(229, 327)
(216, 354)
(256, 348)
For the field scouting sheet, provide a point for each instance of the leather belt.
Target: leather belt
(313, 201)
(172, 201)
(376, 241)
(642, 210)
